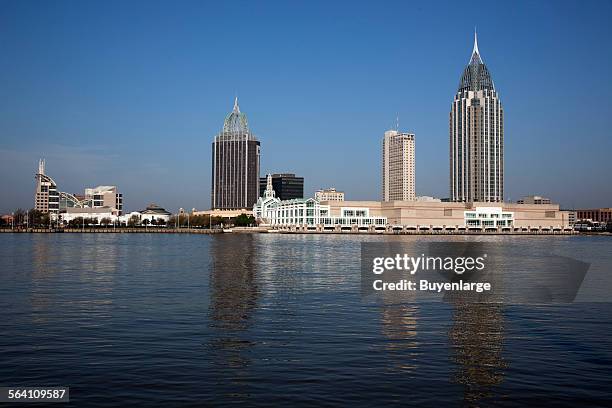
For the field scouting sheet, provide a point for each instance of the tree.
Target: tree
(36, 218)
(19, 217)
(216, 221)
(105, 221)
(146, 222)
(244, 220)
(161, 222)
(76, 222)
(172, 221)
(133, 221)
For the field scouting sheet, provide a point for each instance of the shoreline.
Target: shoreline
(259, 230)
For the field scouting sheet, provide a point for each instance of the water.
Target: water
(193, 320)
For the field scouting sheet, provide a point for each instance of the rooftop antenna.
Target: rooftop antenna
(41, 166)
(397, 123)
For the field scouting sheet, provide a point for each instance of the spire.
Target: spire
(236, 107)
(475, 58)
(269, 189)
(41, 166)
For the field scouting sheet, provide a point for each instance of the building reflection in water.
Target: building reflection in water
(399, 326)
(92, 265)
(476, 341)
(233, 298)
(399, 316)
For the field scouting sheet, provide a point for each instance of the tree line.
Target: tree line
(37, 219)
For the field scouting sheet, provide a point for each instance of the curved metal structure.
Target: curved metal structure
(476, 76)
(236, 122)
(68, 200)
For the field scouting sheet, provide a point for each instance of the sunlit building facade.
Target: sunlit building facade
(47, 197)
(398, 178)
(476, 136)
(270, 210)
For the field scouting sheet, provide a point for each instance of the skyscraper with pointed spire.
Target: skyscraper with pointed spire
(476, 136)
(235, 164)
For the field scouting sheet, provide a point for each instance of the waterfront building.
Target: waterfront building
(476, 136)
(602, 215)
(572, 216)
(235, 164)
(47, 197)
(154, 214)
(534, 199)
(309, 212)
(104, 196)
(398, 179)
(286, 185)
(329, 194)
(95, 215)
(424, 215)
(488, 217)
(453, 216)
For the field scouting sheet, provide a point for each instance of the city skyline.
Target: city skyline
(93, 136)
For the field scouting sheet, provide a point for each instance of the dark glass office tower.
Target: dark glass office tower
(235, 164)
(286, 186)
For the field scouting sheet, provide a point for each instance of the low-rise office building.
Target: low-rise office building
(105, 196)
(329, 194)
(286, 185)
(596, 214)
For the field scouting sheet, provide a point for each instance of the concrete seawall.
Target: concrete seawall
(116, 230)
(259, 230)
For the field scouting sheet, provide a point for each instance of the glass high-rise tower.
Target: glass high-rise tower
(235, 164)
(476, 136)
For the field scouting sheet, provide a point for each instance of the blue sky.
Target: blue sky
(131, 93)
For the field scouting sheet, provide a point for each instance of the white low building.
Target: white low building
(489, 217)
(92, 215)
(269, 210)
(106, 215)
(154, 215)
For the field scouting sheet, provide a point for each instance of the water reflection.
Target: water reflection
(57, 264)
(233, 298)
(399, 326)
(476, 341)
